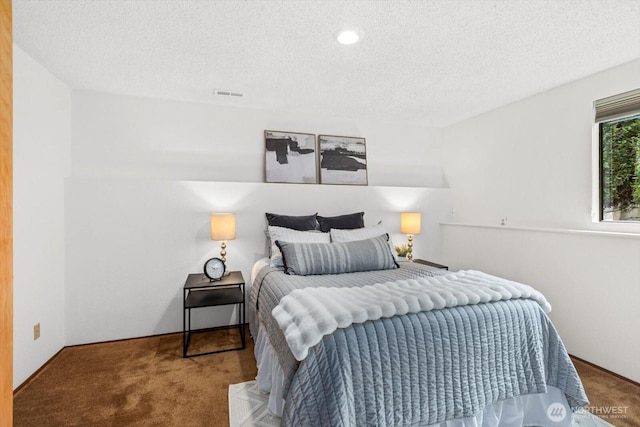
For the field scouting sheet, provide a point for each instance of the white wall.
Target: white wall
(532, 162)
(129, 137)
(147, 174)
(41, 159)
(131, 242)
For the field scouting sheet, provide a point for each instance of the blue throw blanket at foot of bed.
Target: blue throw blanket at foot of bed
(428, 367)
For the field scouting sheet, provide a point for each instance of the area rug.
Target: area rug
(248, 408)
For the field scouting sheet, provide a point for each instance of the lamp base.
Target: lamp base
(223, 251)
(223, 257)
(410, 246)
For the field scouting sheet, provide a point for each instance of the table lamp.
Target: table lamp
(223, 228)
(410, 225)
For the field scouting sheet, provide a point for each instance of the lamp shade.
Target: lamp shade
(410, 222)
(223, 226)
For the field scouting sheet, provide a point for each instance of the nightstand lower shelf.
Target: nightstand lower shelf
(187, 340)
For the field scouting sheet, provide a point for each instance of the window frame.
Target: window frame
(612, 108)
(600, 175)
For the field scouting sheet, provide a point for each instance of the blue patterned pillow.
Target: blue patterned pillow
(304, 259)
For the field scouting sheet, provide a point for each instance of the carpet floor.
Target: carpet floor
(146, 382)
(139, 382)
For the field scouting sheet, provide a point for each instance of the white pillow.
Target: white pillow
(365, 233)
(292, 236)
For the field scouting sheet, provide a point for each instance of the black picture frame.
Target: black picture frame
(290, 157)
(343, 160)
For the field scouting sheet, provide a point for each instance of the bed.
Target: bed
(457, 360)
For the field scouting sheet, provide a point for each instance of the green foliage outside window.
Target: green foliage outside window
(620, 159)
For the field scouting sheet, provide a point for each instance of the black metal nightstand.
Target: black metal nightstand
(431, 264)
(199, 291)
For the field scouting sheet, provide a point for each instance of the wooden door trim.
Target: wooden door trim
(6, 215)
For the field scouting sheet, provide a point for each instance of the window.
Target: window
(618, 118)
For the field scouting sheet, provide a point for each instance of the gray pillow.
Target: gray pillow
(343, 222)
(301, 223)
(305, 259)
(289, 235)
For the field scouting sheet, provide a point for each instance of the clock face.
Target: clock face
(214, 269)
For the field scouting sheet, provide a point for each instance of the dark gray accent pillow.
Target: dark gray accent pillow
(304, 259)
(301, 223)
(342, 222)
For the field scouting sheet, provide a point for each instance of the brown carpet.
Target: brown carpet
(140, 382)
(606, 392)
(146, 382)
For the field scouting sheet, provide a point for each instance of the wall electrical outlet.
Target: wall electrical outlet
(503, 220)
(36, 331)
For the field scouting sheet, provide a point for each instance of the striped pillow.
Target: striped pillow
(305, 259)
(290, 235)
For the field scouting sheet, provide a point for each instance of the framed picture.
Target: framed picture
(343, 160)
(290, 157)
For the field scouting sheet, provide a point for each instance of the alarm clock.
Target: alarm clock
(214, 269)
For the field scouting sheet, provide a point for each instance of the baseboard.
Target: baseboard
(600, 368)
(156, 335)
(32, 376)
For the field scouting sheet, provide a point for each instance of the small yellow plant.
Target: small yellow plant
(402, 250)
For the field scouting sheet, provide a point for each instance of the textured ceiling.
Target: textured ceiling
(434, 61)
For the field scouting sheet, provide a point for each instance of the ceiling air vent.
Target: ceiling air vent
(223, 92)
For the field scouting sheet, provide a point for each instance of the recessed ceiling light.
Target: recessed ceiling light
(347, 36)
